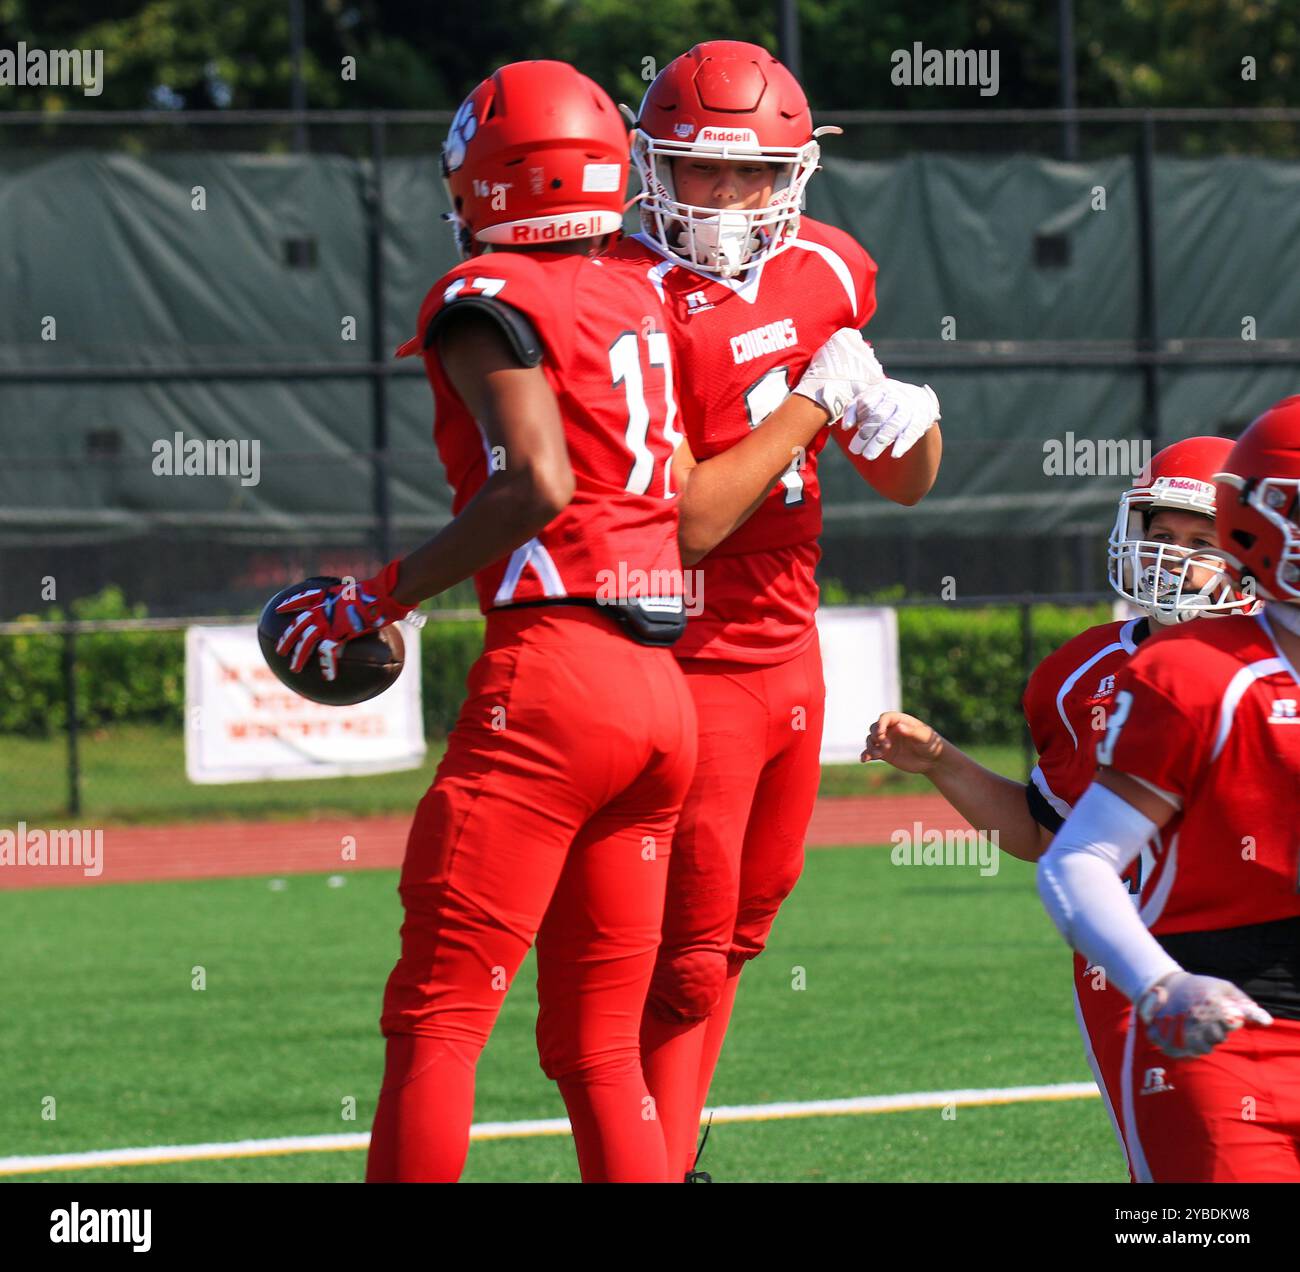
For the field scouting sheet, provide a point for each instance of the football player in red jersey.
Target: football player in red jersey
(724, 144)
(553, 809)
(1203, 747)
(1164, 559)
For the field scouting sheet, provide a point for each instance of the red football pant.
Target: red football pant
(1103, 1013)
(551, 817)
(1232, 1116)
(736, 856)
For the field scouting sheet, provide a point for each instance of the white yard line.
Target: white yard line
(104, 1158)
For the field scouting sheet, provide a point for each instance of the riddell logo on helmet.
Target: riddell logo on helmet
(549, 233)
(728, 136)
(1186, 485)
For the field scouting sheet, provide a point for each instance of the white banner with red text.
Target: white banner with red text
(243, 725)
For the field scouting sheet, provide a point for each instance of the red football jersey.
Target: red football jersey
(1068, 705)
(606, 354)
(1209, 712)
(740, 346)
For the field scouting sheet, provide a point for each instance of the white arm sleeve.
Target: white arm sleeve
(1079, 883)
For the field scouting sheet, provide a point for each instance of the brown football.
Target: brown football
(367, 665)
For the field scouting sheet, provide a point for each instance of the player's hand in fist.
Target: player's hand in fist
(890, 414)
(842, 369)
(907, 743)
(330, 616)
(1188, 1015)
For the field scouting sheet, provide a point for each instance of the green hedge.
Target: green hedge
(140, 676)
(961, 670)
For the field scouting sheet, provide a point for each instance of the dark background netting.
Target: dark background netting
(1065, 319)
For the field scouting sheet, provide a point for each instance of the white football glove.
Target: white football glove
(890, 413)
(840, 370)
(1189, 1015)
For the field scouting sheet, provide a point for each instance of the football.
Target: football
(367, 665)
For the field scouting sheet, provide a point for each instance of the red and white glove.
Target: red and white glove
(891, 413)
(329, 617)
(1189, 1015)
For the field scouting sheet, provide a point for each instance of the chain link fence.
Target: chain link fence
(350, 478)
(338, 213)
(92, 711)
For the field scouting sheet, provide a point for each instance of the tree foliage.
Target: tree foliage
(204, 54)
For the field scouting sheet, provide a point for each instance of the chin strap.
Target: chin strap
(1284, 615)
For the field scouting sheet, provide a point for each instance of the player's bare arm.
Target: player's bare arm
(987, 800)
(719, 494)
(906, 479)
(516, 408)
(1157, 808)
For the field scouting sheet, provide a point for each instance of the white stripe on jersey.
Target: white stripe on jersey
(656, 275)
(1124, 641)
(1048, 794)
(1234, 693)
(1132, 1140)
(1091, 1056)
(1154, 906)
(531, 553)
(838, 267)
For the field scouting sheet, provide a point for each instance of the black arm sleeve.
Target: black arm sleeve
(520, 334)
(1041, 811)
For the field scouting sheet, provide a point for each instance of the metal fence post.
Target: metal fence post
(1069, 95)
(1148, 314)
(70, 698)
(378, 352)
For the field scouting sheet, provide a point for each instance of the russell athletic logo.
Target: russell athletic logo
(769, 338)
(1153, 1082)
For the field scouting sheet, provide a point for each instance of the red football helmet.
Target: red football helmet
(731, 101)
(1259, 502)
(1154, 576)
(536, 154)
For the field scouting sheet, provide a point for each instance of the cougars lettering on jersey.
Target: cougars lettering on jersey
(1206, 713)
(1068, 704)
(607, 357)
(740, 346)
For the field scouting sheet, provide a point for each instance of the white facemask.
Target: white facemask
(721, 242)
(1167, 600)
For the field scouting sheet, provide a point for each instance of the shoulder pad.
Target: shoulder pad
(519, 332)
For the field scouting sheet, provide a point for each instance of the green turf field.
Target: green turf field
(917, 979)
(136, 773)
